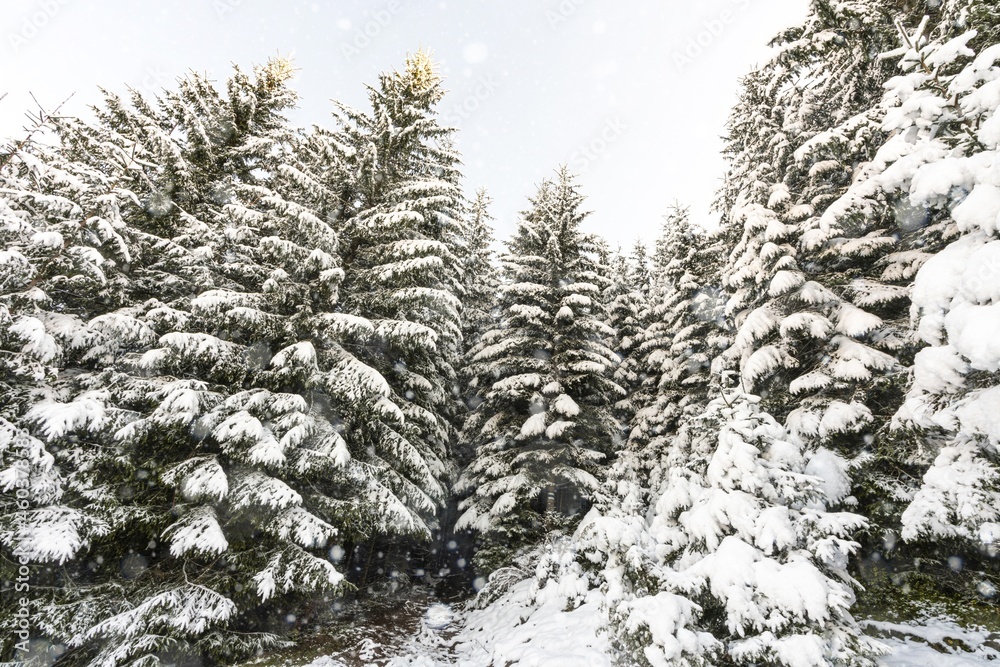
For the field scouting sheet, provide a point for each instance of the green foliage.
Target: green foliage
(213, 430)
(545, 428)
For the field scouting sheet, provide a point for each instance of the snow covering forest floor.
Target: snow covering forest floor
(419, 630)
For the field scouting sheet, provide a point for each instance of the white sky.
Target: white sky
(633, 94)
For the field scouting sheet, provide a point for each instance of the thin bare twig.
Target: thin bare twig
(36, 126)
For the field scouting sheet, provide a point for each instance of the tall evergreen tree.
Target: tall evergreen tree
(686, 331)
(63, 236)
(545, 429)
(737, 561)
(627, 297)
(942, 159)
(401, 216)
(818, 279)
(869, 244)
(213, 417)
(481, 283)
(480, 279)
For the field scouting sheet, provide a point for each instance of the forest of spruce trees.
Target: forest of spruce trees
(250, 368)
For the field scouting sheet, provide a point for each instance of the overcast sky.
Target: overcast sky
(633, 95)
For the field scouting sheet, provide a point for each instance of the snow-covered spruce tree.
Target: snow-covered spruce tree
(671, 250)
(866, 246)
(875, 270)
(401, 220)
(673, 358)
(610, 559)
(946, 116)
(545, 428)
(673, 355)
(627, 297)
(739, 561)
(62, 236)
(480, 283)
(819, 278)
(776, 188)
(211, 421)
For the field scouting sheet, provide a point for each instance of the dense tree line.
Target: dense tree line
(248, 368)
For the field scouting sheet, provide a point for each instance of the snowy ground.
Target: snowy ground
(939, 642)
(424, 632)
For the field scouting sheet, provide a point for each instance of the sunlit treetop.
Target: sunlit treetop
(421, 76)
(276, 72)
